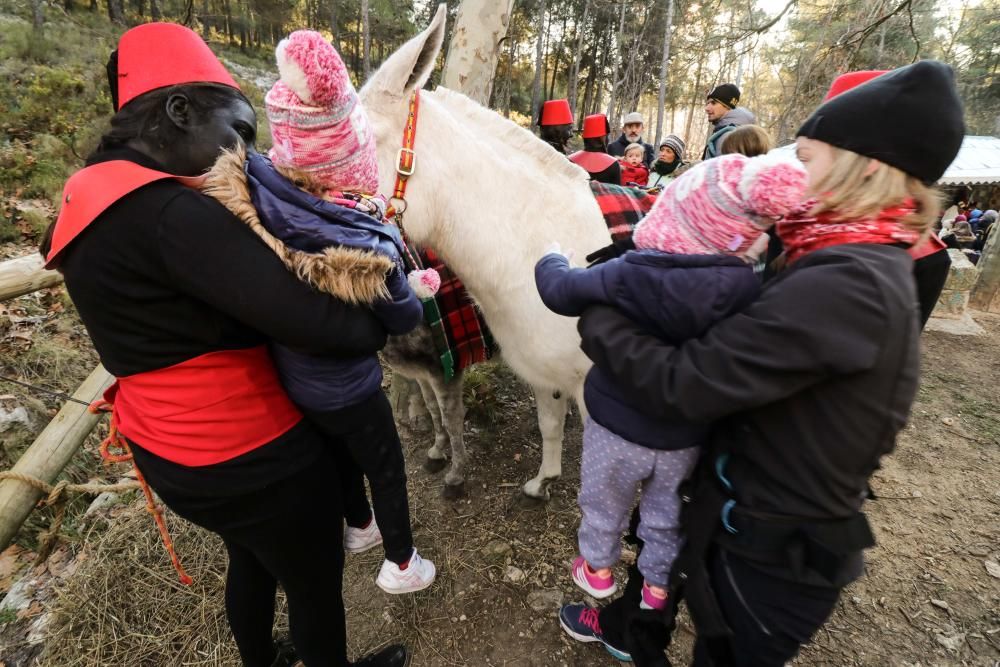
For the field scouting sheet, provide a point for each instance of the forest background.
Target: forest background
(614, 56)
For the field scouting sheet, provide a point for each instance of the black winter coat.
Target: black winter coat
(812, 382)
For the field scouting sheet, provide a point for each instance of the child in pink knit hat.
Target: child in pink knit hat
(317, 200)
(687, 272)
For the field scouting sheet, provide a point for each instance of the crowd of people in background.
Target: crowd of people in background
(967, 227)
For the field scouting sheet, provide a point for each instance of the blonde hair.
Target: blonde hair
(853, 194)
(749, 140)
(634, 147)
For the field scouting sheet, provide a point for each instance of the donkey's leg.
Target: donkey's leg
(551, 422)
(449, 397)
(437, 459)
(416, 408)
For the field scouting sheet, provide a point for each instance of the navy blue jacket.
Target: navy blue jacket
(673, 297)
(310, 224)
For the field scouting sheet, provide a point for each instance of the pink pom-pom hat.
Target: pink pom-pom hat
(317, 124)
(722, 205)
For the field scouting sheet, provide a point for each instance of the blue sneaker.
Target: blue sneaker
(581, 623)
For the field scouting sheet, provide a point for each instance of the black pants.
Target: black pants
(275, 536)
(364, 439)
(930, 274)
(770, 618)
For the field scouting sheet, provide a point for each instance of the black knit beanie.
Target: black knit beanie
(725, 93)
(909, 118)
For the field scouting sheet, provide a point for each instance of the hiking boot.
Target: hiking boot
(587, 579)
(580, 622)
(359, 540)
(396, 655)
(650, 600)
(417, 575)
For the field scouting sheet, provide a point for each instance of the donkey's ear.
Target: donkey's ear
(410, 67)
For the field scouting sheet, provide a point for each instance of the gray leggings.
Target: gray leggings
(612, 471)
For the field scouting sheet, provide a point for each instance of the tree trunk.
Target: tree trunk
(366, 63)
(333, 25)
(93, 5)
(37, 14)
(574, 74)
(509, 80)
(536, 88)
(115, 12)
(471, 63)
(155, 12)
(661, 98)
(228, 9)
(694, 101)
(555, 66)
(618, 60)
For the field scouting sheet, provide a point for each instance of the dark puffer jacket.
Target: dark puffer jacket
(673, 297)
(340, 251)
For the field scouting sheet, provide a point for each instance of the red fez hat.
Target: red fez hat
(845, 82)
(596, 126)
(156, 55)
(556, 112)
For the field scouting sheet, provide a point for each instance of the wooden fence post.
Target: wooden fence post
(49, 454)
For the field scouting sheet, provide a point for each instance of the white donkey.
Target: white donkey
(490, 198)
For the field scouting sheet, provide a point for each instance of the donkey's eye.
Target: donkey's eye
(247, 133)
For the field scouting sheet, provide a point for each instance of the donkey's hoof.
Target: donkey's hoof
(434, 466)
(453, 491)
(523, 501)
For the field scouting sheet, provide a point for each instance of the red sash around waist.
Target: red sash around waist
(205, 410)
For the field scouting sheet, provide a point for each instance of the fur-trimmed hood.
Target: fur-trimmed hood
(353, 275)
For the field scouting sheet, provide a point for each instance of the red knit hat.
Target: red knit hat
(156, 55)
(845, 82)
(556, 112)
(596, 126)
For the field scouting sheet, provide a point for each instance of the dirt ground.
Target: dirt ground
(927, 599)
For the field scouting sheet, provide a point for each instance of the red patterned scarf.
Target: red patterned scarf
(803, 233)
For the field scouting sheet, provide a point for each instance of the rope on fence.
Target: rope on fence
(56, 497)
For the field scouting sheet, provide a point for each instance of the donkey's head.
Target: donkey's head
(386, 98)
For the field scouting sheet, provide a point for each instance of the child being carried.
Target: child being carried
(686, 273)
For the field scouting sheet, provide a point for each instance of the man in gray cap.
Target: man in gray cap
(632, 127)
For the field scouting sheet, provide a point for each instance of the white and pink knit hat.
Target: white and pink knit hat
(722, 205)
(317, 124)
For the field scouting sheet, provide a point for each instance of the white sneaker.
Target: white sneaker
(417, 576)
(359, 540)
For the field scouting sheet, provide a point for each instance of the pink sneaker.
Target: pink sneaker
(587, 579)
(650, 600)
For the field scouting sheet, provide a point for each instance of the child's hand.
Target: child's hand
(556, 249)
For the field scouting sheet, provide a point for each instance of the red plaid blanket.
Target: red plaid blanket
(622, 207)
(461, 337)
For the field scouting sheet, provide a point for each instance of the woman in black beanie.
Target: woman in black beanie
(808, 387)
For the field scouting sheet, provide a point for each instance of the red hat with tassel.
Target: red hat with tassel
(156, 55)
(556, 112)
(845, 82)
(596, 126)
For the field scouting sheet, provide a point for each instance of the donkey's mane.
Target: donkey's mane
(511, 134)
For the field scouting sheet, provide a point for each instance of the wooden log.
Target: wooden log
(25, 275)
(49, 454)
(986, 292)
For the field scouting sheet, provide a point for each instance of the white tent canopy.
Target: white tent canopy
(978, 162)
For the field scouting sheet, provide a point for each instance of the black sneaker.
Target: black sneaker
(581, 623)
(285, 655)
(396, 655)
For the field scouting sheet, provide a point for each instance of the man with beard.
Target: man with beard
(724, 115)
(632, 128)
